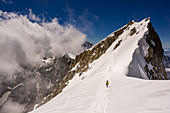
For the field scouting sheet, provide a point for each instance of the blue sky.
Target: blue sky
(98, 18)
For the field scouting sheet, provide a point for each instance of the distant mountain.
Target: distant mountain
(167, 52)
(87, 45)
(166, 62)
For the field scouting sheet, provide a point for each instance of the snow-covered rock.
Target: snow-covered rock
(49, 60)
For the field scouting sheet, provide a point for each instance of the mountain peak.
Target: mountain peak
(133, 51)
(147, 52)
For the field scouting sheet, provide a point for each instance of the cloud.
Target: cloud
(33, 16)
(12, 107)
(136, 18)
(7, 1)
(86, 21)
(83, 21)
(23, 42)
(71, 15)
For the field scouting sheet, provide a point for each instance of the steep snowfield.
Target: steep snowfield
(88, 93)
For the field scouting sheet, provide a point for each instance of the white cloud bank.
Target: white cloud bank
(23, 42)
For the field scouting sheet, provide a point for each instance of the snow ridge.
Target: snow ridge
(87, 93)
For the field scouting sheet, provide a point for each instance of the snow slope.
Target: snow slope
(88, 93)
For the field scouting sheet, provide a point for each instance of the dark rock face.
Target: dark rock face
(36, 83)
(117, 44)
(154, 56)
(133, 31)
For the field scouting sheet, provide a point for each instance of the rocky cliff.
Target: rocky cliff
(155, 55)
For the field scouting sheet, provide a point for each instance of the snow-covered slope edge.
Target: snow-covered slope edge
(111, 59)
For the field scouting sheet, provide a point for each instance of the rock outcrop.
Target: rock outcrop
(154, 56)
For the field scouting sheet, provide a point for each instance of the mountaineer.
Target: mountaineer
(107, 83)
